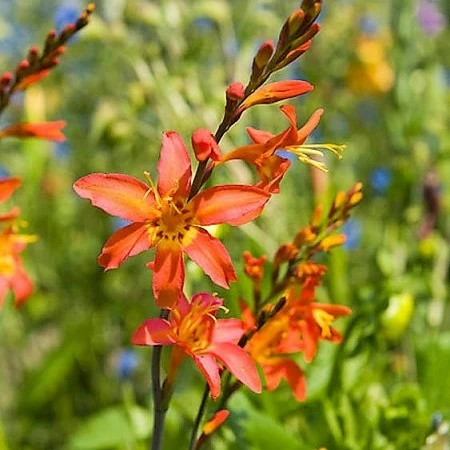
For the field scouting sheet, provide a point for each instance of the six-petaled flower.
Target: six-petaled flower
(193, 330)
(164, 217)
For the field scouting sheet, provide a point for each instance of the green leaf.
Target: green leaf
(261, 431)
(109, 428)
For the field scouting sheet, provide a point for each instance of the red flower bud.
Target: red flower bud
(235, 91)
(204, 145)
(5, 79)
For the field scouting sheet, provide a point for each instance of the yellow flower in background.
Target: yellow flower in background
(371, 72)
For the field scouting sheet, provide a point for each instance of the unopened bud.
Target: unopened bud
(6, 79)
(67, 32)
(235, 91)
(263, 55)
(332, 241)
(295, 22)
(285, 252)
(33, 54)
(22, 67)
(316, 218)
(338, 203)
(355, 194)
(204, 145)
(83, 20)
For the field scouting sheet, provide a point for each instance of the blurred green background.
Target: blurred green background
(69, 378)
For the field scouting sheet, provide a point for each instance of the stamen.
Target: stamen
(152, 188)
(307, 151)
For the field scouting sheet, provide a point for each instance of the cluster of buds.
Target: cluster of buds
(36, 66)
(12, 243)
(294, 40)
(170, 216)
(296, 322)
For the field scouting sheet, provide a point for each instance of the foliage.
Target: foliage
(142, 67)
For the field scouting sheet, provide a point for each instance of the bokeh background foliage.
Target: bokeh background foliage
(69, 378)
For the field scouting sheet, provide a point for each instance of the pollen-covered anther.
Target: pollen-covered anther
(307, 153)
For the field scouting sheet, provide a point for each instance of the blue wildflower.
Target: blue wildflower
(62, 150)
(126, 364)
(352, 230)
(203, 24)
(66, 14)
(369, 24)
(4, 172)
(380, 179)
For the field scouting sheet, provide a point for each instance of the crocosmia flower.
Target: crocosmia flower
(193, 330)
(12, 274)
(267, 349)
(264, 152)
(164, 216)
(43, 130)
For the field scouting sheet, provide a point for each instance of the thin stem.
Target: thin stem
(158, 407)
(159, 415)
(198, 419)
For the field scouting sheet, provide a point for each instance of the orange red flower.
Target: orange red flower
(43, 130)
(164, 217)
(12, 273)
(194, 331)
(262, 153)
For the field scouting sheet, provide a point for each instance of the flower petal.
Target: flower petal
(128, 241)
(119, 195)
(239, 363)
(210, 370)
(43, 130)
(213, 424)
(231, 204)
(174, 167)
(274, 92)
(153, 332)
(228, 330)
(8, 186)
(168, 274)
(259, 136)
(4, 287)
(21, 285)
(210, 254)
(286, 369)
(309, 126)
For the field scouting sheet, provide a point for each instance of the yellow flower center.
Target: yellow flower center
(324, 320)
(7, 265)
(175, 218)
(195, 329)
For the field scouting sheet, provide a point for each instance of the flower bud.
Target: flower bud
(235, 91)
(204, 145)
(263, 55)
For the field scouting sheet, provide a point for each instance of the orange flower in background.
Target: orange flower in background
(43, 130)
(8, 186)
(12, 274)
(193, 330)
(266, 348)
(311, 320)
(371, 72)
(164, 217)
(262, 153)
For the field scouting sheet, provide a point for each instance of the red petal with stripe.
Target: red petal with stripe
(119, 195)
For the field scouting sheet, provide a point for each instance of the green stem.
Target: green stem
(198, 419)
(159, 409)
